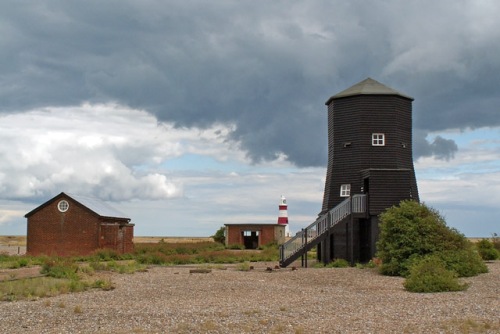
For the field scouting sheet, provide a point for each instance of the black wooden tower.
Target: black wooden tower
(370, 168)
(369, 152)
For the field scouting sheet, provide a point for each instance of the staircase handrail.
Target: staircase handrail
(308, 235)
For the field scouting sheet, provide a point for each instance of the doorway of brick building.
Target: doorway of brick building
(250, 239)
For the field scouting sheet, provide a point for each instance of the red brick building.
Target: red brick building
(253, 236)
(77, 225)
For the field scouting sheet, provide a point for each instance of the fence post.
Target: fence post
(282, 253)
(305, 248)
(302, 257)
(352, 234)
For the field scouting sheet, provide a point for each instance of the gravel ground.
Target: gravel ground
(349, 300)
(12, 249)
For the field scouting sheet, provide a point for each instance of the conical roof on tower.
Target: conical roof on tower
(367, 87)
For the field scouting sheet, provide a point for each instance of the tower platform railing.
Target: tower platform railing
(310, 236)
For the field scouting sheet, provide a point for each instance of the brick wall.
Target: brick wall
(233, 236)
(128, 237)
(117, 236)
(51, 232)
(78, 231)
(267, 233)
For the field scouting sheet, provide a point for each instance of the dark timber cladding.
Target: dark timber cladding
(370, 151)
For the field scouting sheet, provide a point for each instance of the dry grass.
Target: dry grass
(172, 240)
(467, 326)
(20, 240)
(13, 240)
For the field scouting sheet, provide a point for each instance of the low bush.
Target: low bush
(244, 266)
(60, 268)
(236, 246)
(106, 254)
(122, 267)
(15, 262)
(155, 258)
(338, 263)
(430, 275)
(104, 284)
(370, 264)
(464, 262)
(219, 235)
(412, 231)
(496, 241)
(487, 250)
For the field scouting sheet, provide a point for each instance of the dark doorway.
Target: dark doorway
(366, 185)
(332, 248)
(251, 239)
(364, 241)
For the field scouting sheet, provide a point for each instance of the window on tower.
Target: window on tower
(345, 190)
(378, 139)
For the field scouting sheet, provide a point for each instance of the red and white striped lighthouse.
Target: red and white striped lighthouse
(283, 215)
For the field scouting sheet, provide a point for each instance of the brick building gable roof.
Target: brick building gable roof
(95, 205)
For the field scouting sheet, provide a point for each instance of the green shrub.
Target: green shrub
(496, 241)
(156, 258)
(106, 254)
(338, 263)
(487, 250)
(60, 268)
(464, 262)
(244, 266)
(430, 275)
(411, 231)
(219, 236)
(76, 285)
(370, 264)
(104, 284)
(236, 246)
(23, 262)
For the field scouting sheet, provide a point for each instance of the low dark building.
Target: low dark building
(68, 225)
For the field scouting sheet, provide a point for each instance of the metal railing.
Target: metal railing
(308, 235)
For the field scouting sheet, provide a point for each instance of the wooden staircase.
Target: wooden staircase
(315, 233)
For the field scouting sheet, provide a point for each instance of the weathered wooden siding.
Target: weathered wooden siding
(352, 120)
(388, 187)
(385, 173)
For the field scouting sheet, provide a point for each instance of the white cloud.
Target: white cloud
(108, 150)
(214, 198)
(120, 154)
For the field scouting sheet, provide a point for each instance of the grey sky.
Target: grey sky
(266, 67)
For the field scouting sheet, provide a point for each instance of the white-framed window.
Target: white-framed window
(63, 206)
(378, 139)
(345, 190)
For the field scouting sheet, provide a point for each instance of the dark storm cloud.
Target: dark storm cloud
(265, 66)
(440, 147)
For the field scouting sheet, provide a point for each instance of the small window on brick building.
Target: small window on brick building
(63, 206)
(378, 139)
(345, 190)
